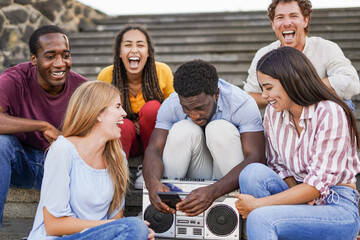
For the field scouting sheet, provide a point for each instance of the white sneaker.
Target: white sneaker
(139, 182)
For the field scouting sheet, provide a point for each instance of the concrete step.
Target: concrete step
(224, 30)
(218, 39)
(221, 16)
(15, 228)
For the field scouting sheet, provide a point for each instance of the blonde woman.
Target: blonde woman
(86, 175)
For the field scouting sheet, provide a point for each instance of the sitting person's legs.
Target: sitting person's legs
(260, 181)
(331, 221)
(128, 228)
(350, 104)
(223, 141)
(185, 152)
(19, 166)
(129, 139)
(133, 144)
(338, 219)
(147, 119)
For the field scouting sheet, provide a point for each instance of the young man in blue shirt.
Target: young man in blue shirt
(206, 129)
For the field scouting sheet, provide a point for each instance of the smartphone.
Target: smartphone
(170, 198)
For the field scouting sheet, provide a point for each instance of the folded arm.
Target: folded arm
(10, 125)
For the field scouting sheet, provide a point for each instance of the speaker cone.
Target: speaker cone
(159, 222)
(221, 220)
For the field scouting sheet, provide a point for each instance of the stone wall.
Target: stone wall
(19, 18)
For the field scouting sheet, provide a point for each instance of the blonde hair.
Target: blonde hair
(86, 103)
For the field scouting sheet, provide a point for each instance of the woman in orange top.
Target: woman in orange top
(144, 84)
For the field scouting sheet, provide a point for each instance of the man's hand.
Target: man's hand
(196, 202)
(155, 199)
(50, 133)
(245, 204)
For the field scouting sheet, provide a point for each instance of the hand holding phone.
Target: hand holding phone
(170, 198)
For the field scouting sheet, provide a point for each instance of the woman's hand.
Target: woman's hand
(245, 204)
(312, 202)
(151, 235)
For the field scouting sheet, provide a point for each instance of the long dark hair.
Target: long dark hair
(149, 84)
(301, 82)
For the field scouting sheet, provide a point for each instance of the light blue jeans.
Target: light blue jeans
(350, 104)
(129, 228)
(338, 219)
(20, 166)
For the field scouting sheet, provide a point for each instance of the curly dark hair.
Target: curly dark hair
(305, 7)
(300, 80)
(195, 77)
(149, 84)
(34, 43)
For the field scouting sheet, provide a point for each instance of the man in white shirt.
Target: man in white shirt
(290, 21)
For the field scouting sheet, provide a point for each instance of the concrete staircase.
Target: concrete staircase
(227, 40)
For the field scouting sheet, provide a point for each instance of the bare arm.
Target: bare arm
(67, 225)
(253, 145)
(261, 102)
(153, 169)
(301, 193)
(10, 125)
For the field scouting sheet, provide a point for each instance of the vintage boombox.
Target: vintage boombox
(220, 221)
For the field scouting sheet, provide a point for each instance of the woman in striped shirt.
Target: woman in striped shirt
(308, 189)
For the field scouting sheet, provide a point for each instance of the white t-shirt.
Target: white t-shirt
(328, 60)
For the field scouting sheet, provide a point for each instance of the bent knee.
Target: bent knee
(185, 129)
(251, 173)
(139, 227)
(149, 111)
(8, 141)
(216, 127)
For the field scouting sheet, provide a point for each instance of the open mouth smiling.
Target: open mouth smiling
(288, 35)
(134, 62)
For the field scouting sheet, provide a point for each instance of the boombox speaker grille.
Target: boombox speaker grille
(159, 222)
(221, 220)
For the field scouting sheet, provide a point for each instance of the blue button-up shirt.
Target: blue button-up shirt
(233, 105)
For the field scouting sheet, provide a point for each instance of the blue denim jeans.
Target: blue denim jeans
(350, 104)
(20, 166)
(338, 219)
(128, 228)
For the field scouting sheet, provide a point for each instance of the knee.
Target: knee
(8, 142)
(128, 128)
(139, 227)
(250, 175)
(221, 132)
(186, 129)
(149, 111)
(7, 139)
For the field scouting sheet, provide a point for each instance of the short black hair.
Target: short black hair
(34, 43)
(195, 77)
